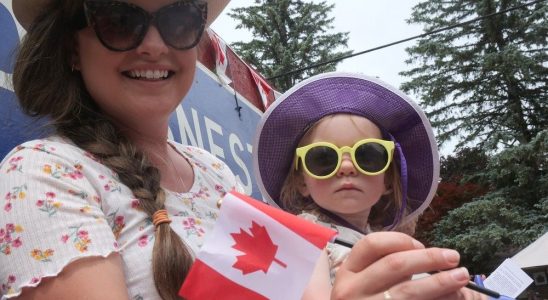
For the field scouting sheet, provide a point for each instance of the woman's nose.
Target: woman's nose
(153, 44)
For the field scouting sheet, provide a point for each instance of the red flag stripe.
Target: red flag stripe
(314, 234)
(218, 286)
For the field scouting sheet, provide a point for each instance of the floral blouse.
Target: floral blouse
(58, 204)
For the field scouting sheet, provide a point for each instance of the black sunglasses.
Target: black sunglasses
(122, 26)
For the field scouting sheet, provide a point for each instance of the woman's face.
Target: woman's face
(349, 193)
(137, 87)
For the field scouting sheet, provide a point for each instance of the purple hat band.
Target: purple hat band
(287, 119)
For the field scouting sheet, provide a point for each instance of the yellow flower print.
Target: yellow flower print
(82, 245)
(47, 169)
(80, 238)
(43, 256)
(216, 166)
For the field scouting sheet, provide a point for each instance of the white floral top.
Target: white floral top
(59, 204)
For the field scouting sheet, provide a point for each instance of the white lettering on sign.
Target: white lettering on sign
(214, 148)
(5, 81)
(218, 143)
(233, 140)
(186, 133)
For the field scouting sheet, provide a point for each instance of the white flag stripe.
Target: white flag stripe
(297, 253)
(220, 67)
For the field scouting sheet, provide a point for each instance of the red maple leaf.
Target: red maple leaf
(259, 250)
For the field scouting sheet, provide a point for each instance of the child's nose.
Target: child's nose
(347, 166)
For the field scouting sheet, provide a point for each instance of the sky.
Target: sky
(370, 23)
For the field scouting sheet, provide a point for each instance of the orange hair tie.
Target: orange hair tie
(160, 217)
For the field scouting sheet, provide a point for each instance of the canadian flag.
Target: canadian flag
(255, 251)
(262, 86)
(221, 60)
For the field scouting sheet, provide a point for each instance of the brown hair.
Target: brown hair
(294, 202)
(47, 87)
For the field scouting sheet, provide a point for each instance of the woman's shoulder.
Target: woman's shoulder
(52, 151)
(53, 145)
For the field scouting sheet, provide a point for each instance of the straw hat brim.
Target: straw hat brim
(26, 10)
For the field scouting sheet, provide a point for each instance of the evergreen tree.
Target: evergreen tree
(287, 35)
(485, 84)
(512, 215)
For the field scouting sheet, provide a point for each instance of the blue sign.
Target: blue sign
(210, 117)
(9, 38)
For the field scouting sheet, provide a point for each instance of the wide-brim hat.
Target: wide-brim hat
(284, 123)
(27, 10)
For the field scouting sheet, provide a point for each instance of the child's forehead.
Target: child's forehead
(345, 119)
(340, 125)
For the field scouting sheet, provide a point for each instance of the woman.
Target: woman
(107, 207)
(108, 75)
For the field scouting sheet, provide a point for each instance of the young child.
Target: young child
(350, 152)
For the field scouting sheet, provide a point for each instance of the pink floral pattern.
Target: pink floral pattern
(6, 286)
(79, 238)
(191, 226)
(8, 241)
(117, 223)
(18, 192)
(49, 205)
(14, 164)
(76, 207)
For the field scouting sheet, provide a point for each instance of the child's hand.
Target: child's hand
(381, 264)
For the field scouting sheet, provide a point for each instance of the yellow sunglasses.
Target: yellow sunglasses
(321, 160)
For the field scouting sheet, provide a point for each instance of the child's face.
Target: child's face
(349, 193)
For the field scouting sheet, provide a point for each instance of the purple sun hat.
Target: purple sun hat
(284, 123)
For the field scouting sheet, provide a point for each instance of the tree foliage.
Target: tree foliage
(484, 82)
(459, 185)
(513, 214)
(288, 35)
(484, 85)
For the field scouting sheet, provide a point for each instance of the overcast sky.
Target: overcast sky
(370, 23)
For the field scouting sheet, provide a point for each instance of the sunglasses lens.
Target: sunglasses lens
(321, 160)
(371, 157)
(119, 27)
(181, 25)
